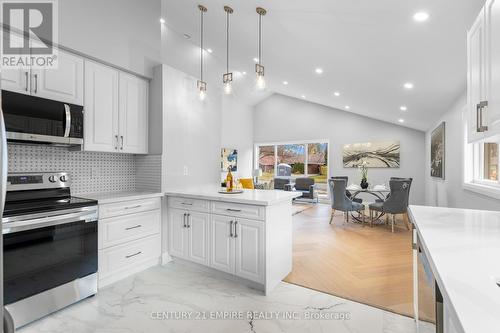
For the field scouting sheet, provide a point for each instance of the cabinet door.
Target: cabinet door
(16, 80)
(101, 108)
(221, 244)
(198, 224)
(133, 127)
(492, 111)
(249, 250)
(64, 83)
(475, 75)
(177, 233)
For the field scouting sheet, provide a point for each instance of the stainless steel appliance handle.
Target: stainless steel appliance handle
(231, 229)
(8, 322)
(3, 162)
(68, 120)
(235, 229)
(10, 227)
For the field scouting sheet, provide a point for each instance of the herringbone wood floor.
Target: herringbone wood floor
(368, 265)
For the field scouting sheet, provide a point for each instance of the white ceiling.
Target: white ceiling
(367, 50)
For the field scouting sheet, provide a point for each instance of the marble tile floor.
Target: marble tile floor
(156, 300)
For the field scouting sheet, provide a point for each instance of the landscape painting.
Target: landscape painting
(438, 151)
(372, 154)
(229, 158)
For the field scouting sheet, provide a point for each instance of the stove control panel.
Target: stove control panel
(35, 181)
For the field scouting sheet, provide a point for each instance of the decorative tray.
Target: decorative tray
(233, 192)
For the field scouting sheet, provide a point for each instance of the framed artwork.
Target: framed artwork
(229, 158)
(438, 151)
(372, 154)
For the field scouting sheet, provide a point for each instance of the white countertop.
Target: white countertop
(110, 197)
(252, 197)
(463, 248)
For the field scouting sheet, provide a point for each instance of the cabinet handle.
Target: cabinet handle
(235, 230)
(233, 210)
(230, 228)
(132, 207)
(133, 255)
(186, 204)
(36, 83)
(26, 75)
(184, 220)
(116, 141)
(188, 220)
(134, 227)
(121, 136)
(479, 117)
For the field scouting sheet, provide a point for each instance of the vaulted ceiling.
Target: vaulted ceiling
(367, 51)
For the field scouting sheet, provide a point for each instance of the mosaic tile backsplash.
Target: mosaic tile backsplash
(90, 171)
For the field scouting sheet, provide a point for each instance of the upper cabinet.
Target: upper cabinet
(116, 110)
(483, 74)
(64, 83)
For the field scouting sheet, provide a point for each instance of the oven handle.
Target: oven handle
(68, 120)
(11, 227)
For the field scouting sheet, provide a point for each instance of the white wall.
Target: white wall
(237, 132)
(449, 192)
(280, 118)
(125, 33)
(192, 133)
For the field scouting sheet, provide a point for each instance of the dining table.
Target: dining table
(378, 191)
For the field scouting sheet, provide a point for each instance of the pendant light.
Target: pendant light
(259, 69)
(227, 78)
(202, 85)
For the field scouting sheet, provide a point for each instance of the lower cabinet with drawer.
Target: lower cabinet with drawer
(129, 238)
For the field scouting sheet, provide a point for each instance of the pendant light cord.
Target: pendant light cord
(201, 46)
(227, 42)
(260, 38)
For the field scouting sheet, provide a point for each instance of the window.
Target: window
(291, 156)
(490, 161)
(481, 168)
(317, 161)
(267, 161)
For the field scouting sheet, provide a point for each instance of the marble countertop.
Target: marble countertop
(252, 197)
(110, 197)
(463, 248)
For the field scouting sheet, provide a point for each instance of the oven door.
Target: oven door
(35, 119)
(42, 253)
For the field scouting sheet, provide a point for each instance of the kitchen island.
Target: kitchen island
(246, 236)
(463, 252)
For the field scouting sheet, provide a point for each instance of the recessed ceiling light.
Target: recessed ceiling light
(285, 82)
(401, 120)
(337, 94)
(244, 73)
(403, 108)
(318, 71)
(303, 96)
(187, 36)
(256, 59)
(408, 85)
(347, 107)
(421, 16)
(162, 20)
(210, 50)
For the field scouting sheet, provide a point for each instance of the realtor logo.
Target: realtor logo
(29, 33)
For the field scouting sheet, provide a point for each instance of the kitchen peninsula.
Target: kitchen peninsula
(247, 236)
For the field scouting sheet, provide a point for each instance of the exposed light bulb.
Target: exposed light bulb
(228, 88)
(202, 95)
(261, 82)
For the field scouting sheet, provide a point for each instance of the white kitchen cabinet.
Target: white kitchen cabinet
(64, 83)
(476, 77)
(16, 80)
(133, 117)
(188, 235)
(249, 249)
(116, 110)
(222, 244)
(492, 111)
(101, 108)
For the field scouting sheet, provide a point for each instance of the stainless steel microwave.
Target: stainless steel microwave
(30, 119)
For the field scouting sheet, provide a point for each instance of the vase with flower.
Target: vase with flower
(364, 176)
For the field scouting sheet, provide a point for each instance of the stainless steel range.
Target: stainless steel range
(49, 245)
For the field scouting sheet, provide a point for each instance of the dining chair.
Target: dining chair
(349, 194)
(340, 201)
(396, 203)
